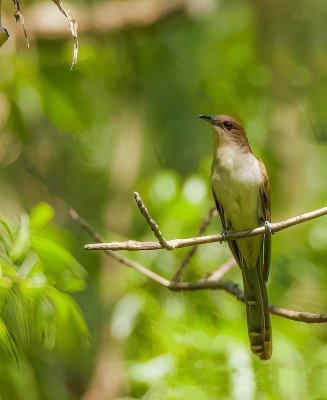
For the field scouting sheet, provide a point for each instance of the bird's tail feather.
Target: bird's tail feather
(257, 310)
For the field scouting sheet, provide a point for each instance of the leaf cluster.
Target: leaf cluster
(36, 272)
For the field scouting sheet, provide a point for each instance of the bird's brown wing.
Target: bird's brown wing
(265, 198)
(231, 243)
(255, 294)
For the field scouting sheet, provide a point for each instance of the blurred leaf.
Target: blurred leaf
(65, 271)
(40, 216)
(32, 311)
(21, 239)
(68, 316)
(8, 346)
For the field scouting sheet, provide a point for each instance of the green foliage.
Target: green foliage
(34, 273)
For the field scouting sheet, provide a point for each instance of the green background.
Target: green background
(124, 120)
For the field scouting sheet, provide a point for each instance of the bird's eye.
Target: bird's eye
(228, 125)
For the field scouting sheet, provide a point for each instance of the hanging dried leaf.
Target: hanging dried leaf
(72, 25)
(19, 18)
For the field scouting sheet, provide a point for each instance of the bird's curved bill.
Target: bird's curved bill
(208, 118)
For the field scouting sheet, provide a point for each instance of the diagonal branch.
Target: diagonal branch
(214, 282)
(153, 225)
(116, 256)
(222, 270)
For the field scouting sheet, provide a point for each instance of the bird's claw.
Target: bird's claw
(224, 233)
(268, 227)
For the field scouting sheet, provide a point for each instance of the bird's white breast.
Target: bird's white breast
(236, 180)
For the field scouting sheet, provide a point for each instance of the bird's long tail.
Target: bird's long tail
(257, 310)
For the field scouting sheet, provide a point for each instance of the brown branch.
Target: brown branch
(222, 270)
(233, 289)
(300, 316)
(214, 282)
(132, 245)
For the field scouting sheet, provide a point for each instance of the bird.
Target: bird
(240, 187)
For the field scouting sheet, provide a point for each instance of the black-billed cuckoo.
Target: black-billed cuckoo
(240, 188)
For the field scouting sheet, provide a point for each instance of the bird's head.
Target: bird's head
(227, 130)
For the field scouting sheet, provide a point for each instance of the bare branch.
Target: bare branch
(118, 257)
(153, 225)
(300, 316)
(190, 254)
(132, 245)
(214, 282)
(233, 289)
(85, 225)
(204, 284)
(222, 270)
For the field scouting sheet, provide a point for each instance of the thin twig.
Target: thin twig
(214, 282)
(300, 316)
(118, 257)
(85, 225)
(153, 225)
(222, 270)
(192, 251)
(132, 245)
